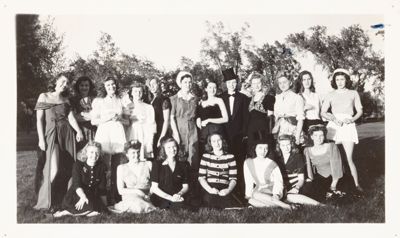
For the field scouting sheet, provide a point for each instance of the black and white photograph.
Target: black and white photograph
(171, 118)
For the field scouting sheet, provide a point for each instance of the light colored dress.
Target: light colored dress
(135, 177)
(111, 134)
(265, 175)
(342, 105)
(143, 127)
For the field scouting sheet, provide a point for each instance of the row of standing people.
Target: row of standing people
(233, 115)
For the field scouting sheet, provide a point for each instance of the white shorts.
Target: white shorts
(346, 132)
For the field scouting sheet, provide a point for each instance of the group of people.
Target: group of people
(103, 151)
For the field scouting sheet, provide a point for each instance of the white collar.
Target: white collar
(180, 94)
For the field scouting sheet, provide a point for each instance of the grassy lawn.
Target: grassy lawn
(369, 158)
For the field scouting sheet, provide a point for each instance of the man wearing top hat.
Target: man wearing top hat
(237, 105)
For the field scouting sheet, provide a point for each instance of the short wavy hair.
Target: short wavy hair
(133, 144)
(162, 155)
(315, 128)
(136, 84)
(83, 156)
(264, 81)
(51, 87)
(292, 140)
(283, 75)
(208, 146)
(92, 88)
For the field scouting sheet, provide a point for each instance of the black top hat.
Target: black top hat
(229, 74)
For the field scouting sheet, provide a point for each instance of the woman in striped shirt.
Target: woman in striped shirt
(217, 174)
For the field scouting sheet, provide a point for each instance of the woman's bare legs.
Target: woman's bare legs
(348, 148)
(301, 199)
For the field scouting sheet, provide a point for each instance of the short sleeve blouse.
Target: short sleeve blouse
(170, 181)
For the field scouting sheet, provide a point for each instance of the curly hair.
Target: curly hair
(83, 156)
(136, 84)
(162, 155)
(292, 140)
(282, 75)
(102, 90)
(92, 88)
(348, 84)
(133, 144)
(51, 87)
(263, 79)
(299, 82)
(315, 128)
(209, 148)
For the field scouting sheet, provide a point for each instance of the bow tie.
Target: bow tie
(232, 95)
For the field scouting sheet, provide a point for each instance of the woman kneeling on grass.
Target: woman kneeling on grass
(217, 174)
(292, 167)
(133, 182)
(87, 195)
(169, 178)
(263, 179)
(324, 165)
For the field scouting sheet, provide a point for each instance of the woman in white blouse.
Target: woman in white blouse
(288, 110)
(312, 102)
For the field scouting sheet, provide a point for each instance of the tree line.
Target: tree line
(40, 56)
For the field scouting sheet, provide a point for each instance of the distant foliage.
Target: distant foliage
(352, 50)
(40, 55)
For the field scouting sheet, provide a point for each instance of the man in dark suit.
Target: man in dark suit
(237, 106)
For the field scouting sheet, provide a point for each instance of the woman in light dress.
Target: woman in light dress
(142, 125)
(107, 114)
(133, 181)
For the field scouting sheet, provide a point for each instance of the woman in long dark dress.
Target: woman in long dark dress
(87, 195)
(162, 111)
(211, 114)
(55, 125)
(82, 105)
(261, 109)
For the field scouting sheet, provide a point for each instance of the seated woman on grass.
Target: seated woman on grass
(133, 182)
(292, 166)
(263, 178)
(87, 195)
(324, 165)
(217, 174)
(169, 178)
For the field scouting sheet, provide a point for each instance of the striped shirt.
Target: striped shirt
(218, 169)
